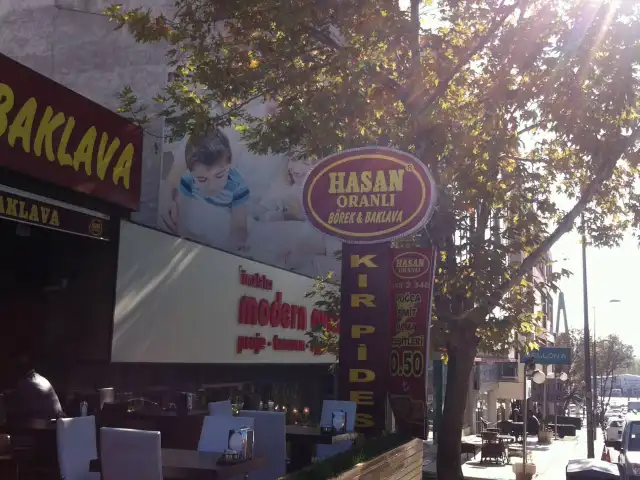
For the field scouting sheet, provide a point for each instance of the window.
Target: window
(509, 370)
(634, 437)
(615, 424)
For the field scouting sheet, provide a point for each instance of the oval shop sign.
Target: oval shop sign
(411, 265)
(369, 195)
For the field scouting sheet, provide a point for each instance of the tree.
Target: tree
(633, 369)
(524, 110)
(327, 299)
(612, 354)
(574, 386)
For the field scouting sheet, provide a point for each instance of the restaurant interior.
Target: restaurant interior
(180, 421)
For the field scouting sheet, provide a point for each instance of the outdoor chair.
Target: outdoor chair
(221, 408)
(328, 407)
(130, 454)
(76, 442)
(493, 448)
(270, 442)
(215, 431)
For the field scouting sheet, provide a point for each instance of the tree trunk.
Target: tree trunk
(461, 354)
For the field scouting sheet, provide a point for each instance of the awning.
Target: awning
(31, 209)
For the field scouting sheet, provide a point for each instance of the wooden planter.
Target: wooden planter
(403, 462)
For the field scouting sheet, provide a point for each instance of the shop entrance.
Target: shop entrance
(56, 298)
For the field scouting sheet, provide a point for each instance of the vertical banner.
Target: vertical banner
(411, 274)
(364, 333)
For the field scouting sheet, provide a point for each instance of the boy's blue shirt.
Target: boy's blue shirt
(234, 193)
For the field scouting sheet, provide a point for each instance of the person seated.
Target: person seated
(33, 397)
(533, 424)
(515, 414)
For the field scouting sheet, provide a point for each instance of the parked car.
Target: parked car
(629, 458)
(613, 431)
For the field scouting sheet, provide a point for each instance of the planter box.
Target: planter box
(565, 420)
(528, 473)
(403, 462)
(395, 456)
(544, 437)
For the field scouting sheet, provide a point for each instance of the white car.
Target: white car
(613, 432)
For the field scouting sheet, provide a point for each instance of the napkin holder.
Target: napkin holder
(339, 422)
(241, 442)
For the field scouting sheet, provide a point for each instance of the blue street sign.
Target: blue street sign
(549, 356)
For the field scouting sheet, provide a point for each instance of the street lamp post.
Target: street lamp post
(562, 376)
(537, 376)
(595, 360)
(587, 349)
(590, 389)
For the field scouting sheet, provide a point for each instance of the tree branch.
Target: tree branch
(443, 85)
(603, 173)
(529, 128)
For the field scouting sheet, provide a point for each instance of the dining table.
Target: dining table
(304, 438)
(182, 464)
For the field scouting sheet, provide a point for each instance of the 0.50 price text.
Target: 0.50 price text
(406, 363)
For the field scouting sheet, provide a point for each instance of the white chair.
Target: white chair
(270, 442)
(214, 436)
(328, 407)
(130, 454)
(76, 442)
(221, 408)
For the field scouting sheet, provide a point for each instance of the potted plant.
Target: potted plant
(529, 469)
(545, 434)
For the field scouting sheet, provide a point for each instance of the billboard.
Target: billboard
(54, 134)
(369, 195)
(411, 284)
(180, 302)
(215, 191)
(364, 333)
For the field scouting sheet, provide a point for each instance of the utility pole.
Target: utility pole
(595, 370)
(587, 350)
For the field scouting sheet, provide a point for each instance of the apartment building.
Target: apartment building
(497, 381)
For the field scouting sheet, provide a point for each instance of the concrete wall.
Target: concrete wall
(71, 42)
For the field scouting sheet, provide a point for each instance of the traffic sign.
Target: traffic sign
(549, 356)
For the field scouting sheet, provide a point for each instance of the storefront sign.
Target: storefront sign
(412, 273)
(34, 210)
(276, 314)
(549, 356)
(369, 195)
(54, 134)
(364, 333)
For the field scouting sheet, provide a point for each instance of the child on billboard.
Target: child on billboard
(210, 203)
(283, 200)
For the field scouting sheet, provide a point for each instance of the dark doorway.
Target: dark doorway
(56, 297)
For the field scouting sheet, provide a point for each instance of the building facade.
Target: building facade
(499, 381)
(61, 201)
(191, 330)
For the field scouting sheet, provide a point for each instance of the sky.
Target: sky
(611, 274)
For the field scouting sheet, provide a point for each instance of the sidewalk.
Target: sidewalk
(545, 457)
(550, 460)
(429, 454)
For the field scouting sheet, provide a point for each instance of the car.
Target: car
(613, 431)
(629, 458)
